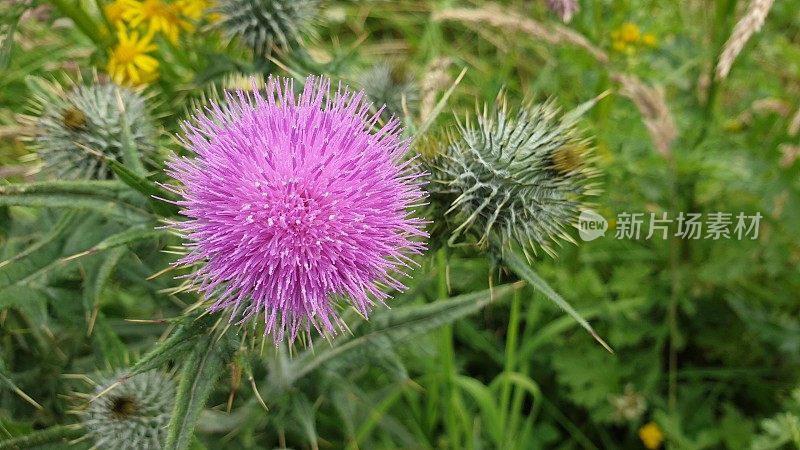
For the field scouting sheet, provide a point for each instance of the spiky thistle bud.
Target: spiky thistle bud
(267, 24)
(513, 176)
(389, 85)
(77, 126)
(132, 415)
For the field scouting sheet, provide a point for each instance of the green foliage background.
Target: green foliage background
(706, 334)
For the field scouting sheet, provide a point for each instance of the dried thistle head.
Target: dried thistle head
(78, 126)
(513, 177)
(132, 415)
(267, 24)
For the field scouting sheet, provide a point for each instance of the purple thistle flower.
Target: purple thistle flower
(564, 9)
(296, 202)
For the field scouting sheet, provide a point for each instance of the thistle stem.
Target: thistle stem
(447, 354)
(510, 359)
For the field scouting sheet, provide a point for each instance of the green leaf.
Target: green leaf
(304, 413)
(197, 445)
(575, 114)
(7, 44)
(82, 20)
(60, 433)
(129, 151)
(110, 345)
(485, 399)
(526, 272)
(175, 344)
(104, 197)
(148, 188)
(100, 188)
(401, 323)
(38, 256)
(96, 281)
(28, 300)
(136, 234)
(5, 378)
(119, 211)
(199, 375)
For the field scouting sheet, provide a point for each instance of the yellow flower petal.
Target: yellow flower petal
(133, 74)
(146, 63)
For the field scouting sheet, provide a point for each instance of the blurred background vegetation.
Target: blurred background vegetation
(706, 333)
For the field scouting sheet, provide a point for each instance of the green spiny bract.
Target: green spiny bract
(132, 415)
(267, 24)
(390, 86)
(79, 128)
(512, 177)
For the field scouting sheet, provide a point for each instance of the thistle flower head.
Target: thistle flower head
(266, 24)
(294, 203)
(78, 126)
(513, 176)
(132, 415)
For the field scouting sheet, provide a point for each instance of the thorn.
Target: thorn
(79, 255)
(160, 272)
(602, 342)
(258, 395)
(108, 389)
(92, 320)
(491, 288)
(147, 320)
(231, 396)
(27, 398)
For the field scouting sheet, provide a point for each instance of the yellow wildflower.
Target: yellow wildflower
(114, 11)
(629, 32)
(619, 46)
(193, 9)
(158, 15)
(651, 435)
(628, 39)
(129, 62)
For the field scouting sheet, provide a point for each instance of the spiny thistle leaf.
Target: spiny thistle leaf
(267, 24)
(109, 198)
(175, 344)
(80, 127)
(5, 379)
(131, 415)
(38, 256)
(401, 323)
(518, 175)
(527, 273)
